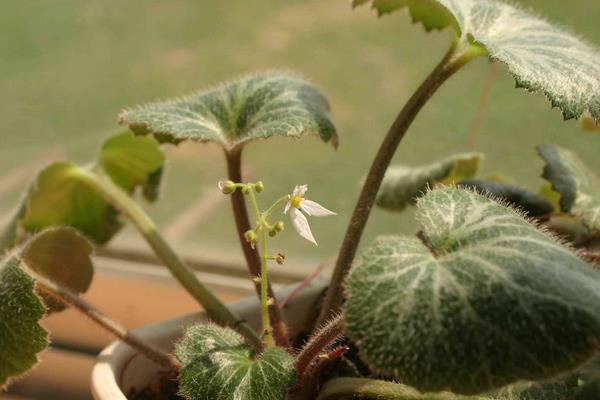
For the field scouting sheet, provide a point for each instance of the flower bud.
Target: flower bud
(279, 226)
(246, 189)
(227, 187)
(259, 186)
(251, 237)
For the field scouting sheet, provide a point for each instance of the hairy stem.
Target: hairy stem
(242, 222)
(214, 307)
(451, 63)
(346, 388)
(322, 338)
(69, 298)
(264, 281)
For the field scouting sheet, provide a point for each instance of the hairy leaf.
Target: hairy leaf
(481, 300)
(402, 185)
(541, 57)
(21, 337)
(58, 197)
(61, 255)
(219, 365)
(253, 107)
(578, 186)
(532, 204)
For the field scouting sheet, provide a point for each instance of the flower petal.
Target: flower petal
(314, 209)
(300, 190)
(287, 207)
(301, 226)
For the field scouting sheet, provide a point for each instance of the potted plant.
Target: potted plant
(496, 297)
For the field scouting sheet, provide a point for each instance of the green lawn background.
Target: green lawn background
(69, 66)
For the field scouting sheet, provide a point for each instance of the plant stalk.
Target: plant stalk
(69, 298)
(344, 388)
(267, 334)
(452, 62)
(242, 222)
(322, 338)
(214, 307)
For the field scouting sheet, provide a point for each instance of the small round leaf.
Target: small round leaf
(219, 365)
(61, 255)
(21, 336)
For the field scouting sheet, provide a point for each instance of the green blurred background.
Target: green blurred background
(69, 66)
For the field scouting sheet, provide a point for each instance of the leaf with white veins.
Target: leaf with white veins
(578, 186)
(541, 57)
(402, 185)
(252, 107)
(483, 299)
(219, 365)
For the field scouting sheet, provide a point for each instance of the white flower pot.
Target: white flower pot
(120, 369)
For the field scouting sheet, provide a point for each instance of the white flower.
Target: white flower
(296, 203)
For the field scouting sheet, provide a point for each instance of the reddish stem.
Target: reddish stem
(242, 222)
(483, 101)
(69, 298)
(317, 343)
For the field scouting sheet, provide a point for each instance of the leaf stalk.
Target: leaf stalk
(67, 297)
(214, 307)
(458, 55)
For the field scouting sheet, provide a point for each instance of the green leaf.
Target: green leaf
(541, 57)
(578, 186)
(532, 204)
(61, 255)
(253, 107)
(219, 365)
(21, 337)
(133, 161)
(402, 185)
(59, 197)
(481, 300)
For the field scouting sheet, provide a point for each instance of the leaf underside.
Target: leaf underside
(219, 365)
(530, 203)
(402, 185)
(253, 107)
(578, 186)
(63, 256)
(58, 197)
(541, 57)
(483, 299)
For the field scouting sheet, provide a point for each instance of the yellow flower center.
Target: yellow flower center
(296, 201)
